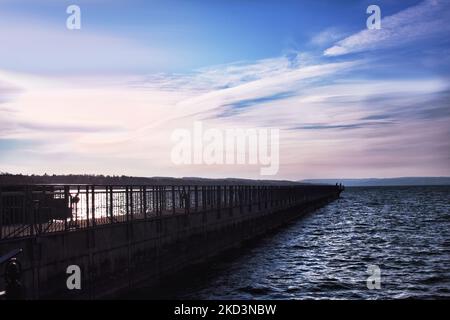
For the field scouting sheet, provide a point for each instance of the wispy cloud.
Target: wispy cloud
(427, 19)
(7, 91)
(327, 36)
(357, 125)
(233, 108)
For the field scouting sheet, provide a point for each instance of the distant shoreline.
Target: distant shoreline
(400, 186)
(14, 179)
(386, 182)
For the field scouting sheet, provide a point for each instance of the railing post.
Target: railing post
(154, 200)
(144, 199)
(208, 196)
(188, 199)
(87, 206)
(212, 196)
(231, 199)
(76, 210)
(111, 202)
(106, 201)
(244, 197)
(127, 204)
(218, 203)
(203, 198)
(241, 198)
(196, 198)
(157, 198)
(265, 197)
(249, 193)
(36, 207)
(30, 214)
(278, 197)
(162, 198)
(271, 190)
(66, 206)
(173, 199)
(94, 222)
(294, 195)
(131, 202)
(1, 213)
(162, 191)
(247, 196)
(225, 197)
(159, 202)
(259, 197)
(24, 212)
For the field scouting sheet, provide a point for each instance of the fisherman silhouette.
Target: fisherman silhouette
(74, 207)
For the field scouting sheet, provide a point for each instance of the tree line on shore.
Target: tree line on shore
(94, 179)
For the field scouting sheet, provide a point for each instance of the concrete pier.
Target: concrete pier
(124, 236)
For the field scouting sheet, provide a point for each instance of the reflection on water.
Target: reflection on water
(403, 230)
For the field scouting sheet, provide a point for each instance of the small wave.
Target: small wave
(333, 285)
(255, 290)
(433, 280)
(300, 247)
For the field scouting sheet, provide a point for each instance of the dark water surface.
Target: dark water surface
(403, 230)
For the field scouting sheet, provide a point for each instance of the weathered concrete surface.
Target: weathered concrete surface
(116, 257)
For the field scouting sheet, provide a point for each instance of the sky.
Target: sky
(348, 101)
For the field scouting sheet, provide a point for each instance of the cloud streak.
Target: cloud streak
(427, 19)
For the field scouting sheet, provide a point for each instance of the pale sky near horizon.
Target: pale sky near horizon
(349, 102)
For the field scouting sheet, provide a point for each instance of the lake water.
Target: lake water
(405, 231)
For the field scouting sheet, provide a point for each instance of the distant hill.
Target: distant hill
(406, 181)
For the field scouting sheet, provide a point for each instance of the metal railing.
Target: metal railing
(39, 209)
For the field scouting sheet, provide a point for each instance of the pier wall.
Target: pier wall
(141, 248)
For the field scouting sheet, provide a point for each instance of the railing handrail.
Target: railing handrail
(6, 257)
(40, 209)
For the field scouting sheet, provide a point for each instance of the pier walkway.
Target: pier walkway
(123, 236)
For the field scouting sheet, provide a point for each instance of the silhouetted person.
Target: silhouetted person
(14, 289)
(74, 207)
